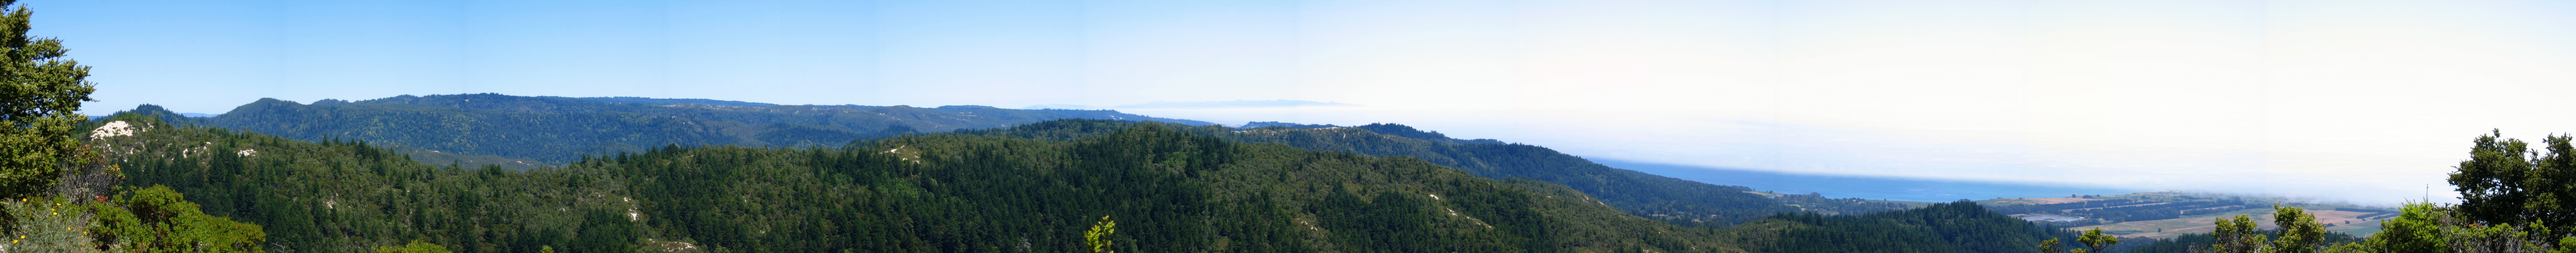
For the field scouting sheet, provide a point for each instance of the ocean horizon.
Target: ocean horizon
(1865, 187)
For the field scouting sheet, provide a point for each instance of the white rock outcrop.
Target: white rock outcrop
(114, 129)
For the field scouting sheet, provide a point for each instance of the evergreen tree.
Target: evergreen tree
(2238, 236)
(2096, 240)
(2491, 181)
(1097, 236)
(2300, 232)
(2417, 228)
(2554, 201)
(40, 94)
(417, 246)
(2505, 182)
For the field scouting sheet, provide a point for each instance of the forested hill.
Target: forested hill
(1645, 195)
(477, 129)
(1168, 190)
(560, 129)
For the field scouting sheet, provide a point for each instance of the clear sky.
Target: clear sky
(2360, 100)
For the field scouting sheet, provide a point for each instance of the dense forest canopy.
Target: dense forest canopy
(1169, 187)
(1663, 198)
(698, 175)
(543, 130)
(1351, 188)
(1037, 187)
(557, 130)
(1170, 191)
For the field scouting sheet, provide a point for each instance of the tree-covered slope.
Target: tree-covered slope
(1168, 188)
(1645, 195)
(479, 129)
(1947, 227)
(561, 129)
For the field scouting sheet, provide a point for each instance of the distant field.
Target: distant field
(2357, 229)
(2031, 201)
(2168, 228)
(2177, 213)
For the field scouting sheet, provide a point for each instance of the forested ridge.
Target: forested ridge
(1169, 187)
(697, 175)
(497, 128)
(1947, 227)
(557, 130)
(1647, 195)
(1170, 191)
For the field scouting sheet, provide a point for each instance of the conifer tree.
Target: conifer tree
(1098, 236)
(418, 246)
(2300, 232)
(40, 93)
(2237, 236)
(2491, 182)
(2096, 240)
(2506, 182)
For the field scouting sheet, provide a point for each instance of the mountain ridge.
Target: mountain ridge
(560, 129)
(1644, 195)
(1232, 104)
(709, 180)
(1169, 190)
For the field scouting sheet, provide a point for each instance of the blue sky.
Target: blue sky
(2358, 100)
(203, 57)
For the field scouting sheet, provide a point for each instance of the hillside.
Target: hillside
(556, 130)
(1645, 195)
(1169, 190)
(521, 132)
(1944, 227)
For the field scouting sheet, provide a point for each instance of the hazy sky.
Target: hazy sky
(2360, 100)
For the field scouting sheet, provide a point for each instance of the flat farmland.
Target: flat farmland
(2349, 222)
(2031, 201)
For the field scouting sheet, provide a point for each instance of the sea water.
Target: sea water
(1865, 187)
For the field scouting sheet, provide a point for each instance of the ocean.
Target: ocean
(1865, 187)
